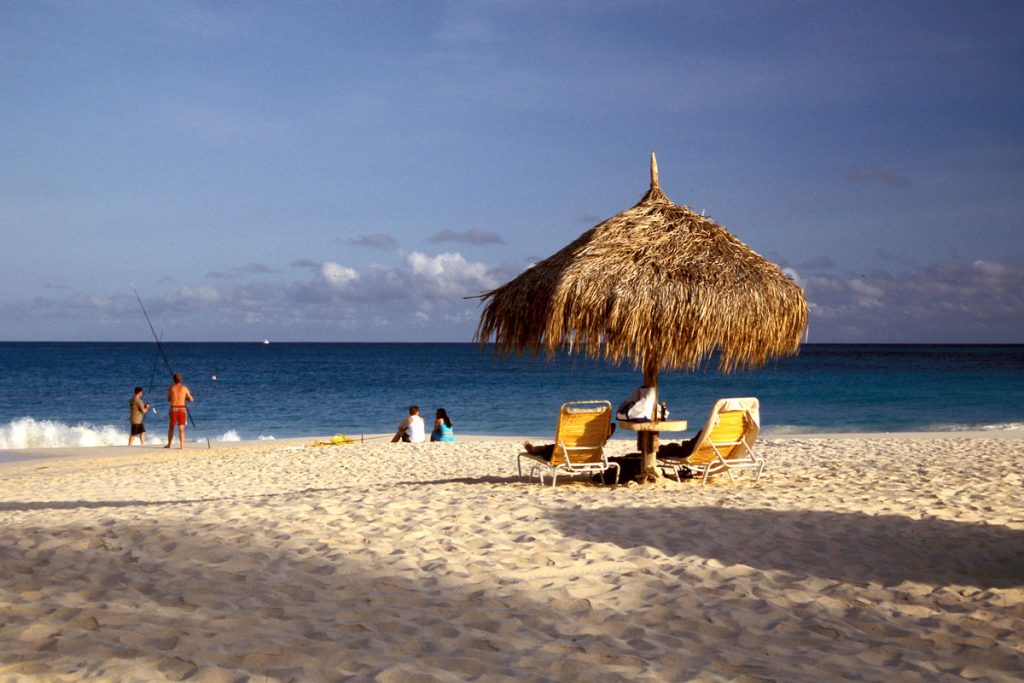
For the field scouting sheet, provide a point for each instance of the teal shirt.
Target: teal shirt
(443, 433)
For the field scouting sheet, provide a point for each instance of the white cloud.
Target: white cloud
(201, 295)
(978, 302)
(867, 294)
(449, 274)
(423, 286)
(421, 297)
(864, 289)
(101, 303)
(990, 269)
(338, 276)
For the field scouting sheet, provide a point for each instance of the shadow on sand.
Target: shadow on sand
(845, 546)
(241, 597)
(29, 505)
(487, 479)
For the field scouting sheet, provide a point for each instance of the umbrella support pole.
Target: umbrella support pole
(647, 442)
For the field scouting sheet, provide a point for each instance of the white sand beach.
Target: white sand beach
(874, 557)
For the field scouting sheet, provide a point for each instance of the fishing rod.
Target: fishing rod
(160, 347)
(152, 375)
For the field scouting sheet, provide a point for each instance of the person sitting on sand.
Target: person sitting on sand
(138, 415)
(548, 449)
(177, 395)
(410, 430)
(442, 427)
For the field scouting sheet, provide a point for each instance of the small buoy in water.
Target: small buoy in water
(214, 378)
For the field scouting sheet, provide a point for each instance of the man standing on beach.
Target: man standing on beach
(177, 395)
(138, 414)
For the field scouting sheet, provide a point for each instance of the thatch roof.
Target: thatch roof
(658, 284)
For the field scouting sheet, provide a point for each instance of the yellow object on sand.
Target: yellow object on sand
(583, 430)
(726, 442)
(336, 440)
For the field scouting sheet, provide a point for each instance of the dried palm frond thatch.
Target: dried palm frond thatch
(659, 285)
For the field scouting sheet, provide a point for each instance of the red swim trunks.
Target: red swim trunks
(179, 416)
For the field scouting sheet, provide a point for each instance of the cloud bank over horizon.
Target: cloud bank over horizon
(432, 297)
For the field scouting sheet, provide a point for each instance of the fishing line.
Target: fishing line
(160, 347)
(152, 376)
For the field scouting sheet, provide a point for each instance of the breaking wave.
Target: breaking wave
(27, 432)
(232, 435)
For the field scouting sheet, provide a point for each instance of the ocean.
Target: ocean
(71, 394)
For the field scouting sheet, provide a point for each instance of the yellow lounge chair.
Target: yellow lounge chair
(583, 429)
(725, 443)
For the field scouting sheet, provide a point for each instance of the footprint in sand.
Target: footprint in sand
(571, 605)
(86, 623)
(176, 668)
(165, 642)
(37, 632)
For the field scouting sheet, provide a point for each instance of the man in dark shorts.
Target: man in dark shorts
(138, 414)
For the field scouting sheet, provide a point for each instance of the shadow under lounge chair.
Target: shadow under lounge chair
(726, 442)
(583, 429)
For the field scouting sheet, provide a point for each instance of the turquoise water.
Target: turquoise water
(77, 393)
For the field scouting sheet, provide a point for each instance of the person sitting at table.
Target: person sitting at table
(638, 407)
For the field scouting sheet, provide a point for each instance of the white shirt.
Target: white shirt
(415, 429)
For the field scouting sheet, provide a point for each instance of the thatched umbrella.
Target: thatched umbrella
(659, 285)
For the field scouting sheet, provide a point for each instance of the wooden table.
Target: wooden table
(647, 433)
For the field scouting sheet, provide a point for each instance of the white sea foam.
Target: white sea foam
(1003, 426)
(27, 432)
(796, 430)
(789, 430)
(1007, 425)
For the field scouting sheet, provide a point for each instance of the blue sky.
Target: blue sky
(351, 171)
